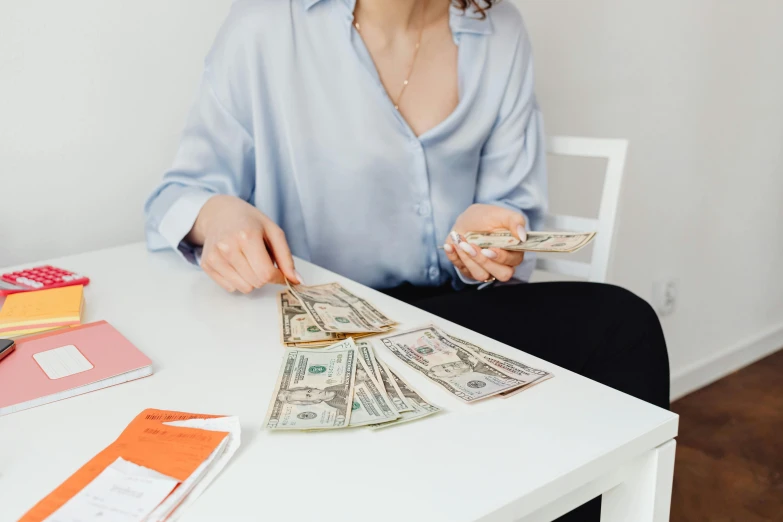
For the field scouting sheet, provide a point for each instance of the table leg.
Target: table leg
(646, 495)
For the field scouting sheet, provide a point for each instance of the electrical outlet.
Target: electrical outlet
(665, 296)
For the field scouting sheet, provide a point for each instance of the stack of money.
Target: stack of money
(318, 316)
(346, 385)
(465, 370)
(565, 242)
(343, 386)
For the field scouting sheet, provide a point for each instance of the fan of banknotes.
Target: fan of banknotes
(346, 385)
(565, 242)
(342, 386)
(318, 316)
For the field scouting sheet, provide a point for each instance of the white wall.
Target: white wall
(697, 87)
(93, 95)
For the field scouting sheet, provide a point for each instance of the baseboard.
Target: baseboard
(701, 374)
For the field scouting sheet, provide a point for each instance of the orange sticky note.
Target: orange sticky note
(42, 309)
(171, 450)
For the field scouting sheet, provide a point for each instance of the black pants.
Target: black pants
(603, 332)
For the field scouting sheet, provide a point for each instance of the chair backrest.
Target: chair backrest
(614, 151)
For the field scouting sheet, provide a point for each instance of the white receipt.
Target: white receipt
(123, 492)
(62, 362)
(195, 485)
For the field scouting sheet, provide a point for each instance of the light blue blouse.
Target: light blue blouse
(292, 117)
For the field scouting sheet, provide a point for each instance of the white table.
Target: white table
(532, 457)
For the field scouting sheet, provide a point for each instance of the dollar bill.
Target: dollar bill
(298, 330)
(383, 375)
(511, 393)
(314, 389)
(566, 242)
(420, 408)
(528, 375)
(524, 373)
(298, 327)
(456, 368)
(370, 312)
(335, 309)
(371, 405)
(323, 344)
(367, 353)
(392, 389)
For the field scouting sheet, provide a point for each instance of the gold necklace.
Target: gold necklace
(415, 54)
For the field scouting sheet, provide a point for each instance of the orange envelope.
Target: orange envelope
(171, 450)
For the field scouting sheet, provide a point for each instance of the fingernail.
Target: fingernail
(299, 277)
(489, 253)
(448, 248)
(522, 233)
(231, 289)
(468, 249)
(455, 237)
(223, 247)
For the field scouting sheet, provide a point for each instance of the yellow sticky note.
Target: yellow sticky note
(42, 308)
(16, 334)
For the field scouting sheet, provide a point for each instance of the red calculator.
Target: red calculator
(39, 278)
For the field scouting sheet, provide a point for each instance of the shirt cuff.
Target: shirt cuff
(179, 220)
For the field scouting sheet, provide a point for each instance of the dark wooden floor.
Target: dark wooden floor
(730, 448)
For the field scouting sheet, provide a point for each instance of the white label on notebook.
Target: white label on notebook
(62, 362)
(123, 492)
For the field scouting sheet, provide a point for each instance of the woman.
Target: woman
(358, 135)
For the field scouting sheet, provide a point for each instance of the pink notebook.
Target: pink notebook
(57, 365)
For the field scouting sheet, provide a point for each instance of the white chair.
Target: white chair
(614, 151)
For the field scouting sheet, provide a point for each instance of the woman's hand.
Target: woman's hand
(484, 264)
(241, 246)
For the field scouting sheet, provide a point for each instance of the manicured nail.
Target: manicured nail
(455, 237)
(223, 247)
(468, 249)
(448, 248)
(299, 277)
(489, 253)
(522, 233)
